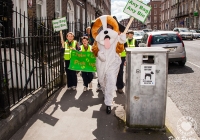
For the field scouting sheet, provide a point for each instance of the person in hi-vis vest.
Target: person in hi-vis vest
(131, 42)
(87, 76)
(69, 45)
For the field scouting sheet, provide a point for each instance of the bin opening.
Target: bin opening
(148, 59)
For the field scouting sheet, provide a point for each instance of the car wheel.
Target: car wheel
(181, 63)
(191, 38)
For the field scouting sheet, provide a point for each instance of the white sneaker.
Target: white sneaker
(74, 88)
(85, 89)
(90, 85)
(69, 88)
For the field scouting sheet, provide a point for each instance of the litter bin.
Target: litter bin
(146, 87)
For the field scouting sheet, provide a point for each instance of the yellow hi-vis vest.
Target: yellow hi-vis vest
(88, 50)
(131, 44)
(67, 54)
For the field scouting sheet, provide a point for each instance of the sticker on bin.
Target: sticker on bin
(148, 75)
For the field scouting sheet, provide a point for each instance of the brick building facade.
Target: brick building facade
(153, 21)
(180, 13)
(79, 13)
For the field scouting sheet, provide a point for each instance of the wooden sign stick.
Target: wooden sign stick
(61, 37)
(129, 24)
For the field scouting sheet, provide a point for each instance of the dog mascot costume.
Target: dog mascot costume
(109, 42)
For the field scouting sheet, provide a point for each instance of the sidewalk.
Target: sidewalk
(74, 115)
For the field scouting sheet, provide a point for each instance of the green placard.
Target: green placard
(82, 61)
(137, 9)
(59, 24)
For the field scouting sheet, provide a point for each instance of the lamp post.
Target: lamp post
(4, 107)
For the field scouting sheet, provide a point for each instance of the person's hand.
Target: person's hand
(101, 56)
(124, 63)
(122, 38)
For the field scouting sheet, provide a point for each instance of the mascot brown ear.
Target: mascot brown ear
(121, 27)
(91, 28)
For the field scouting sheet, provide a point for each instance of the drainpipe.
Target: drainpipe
(85, 15)
(178, 14)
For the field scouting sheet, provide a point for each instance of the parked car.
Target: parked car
(195, 34)
(198, 30)
(147, 30)
(169, 40)
(184, 32)
(138, 36)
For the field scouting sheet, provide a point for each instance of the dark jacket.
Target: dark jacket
(91, 39)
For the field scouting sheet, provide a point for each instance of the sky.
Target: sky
(117, 7)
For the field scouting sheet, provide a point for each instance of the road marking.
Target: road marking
(193, 64)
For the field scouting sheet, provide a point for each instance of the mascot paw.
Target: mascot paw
(122, 38)
(101, 56)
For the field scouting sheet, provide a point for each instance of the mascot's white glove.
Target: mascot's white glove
(122, 38)
(101, 55)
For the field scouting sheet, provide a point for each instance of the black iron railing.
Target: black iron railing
(30, 57)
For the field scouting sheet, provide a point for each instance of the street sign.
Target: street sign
(137, 9)
(59, 24)
(195, 13)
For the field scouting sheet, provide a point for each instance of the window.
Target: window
(155, 12)
(38, 10)
(168, 5)
(155, 27)
(78, 12)
(57, 8)
(69, 8)
(155, 19)
(155, 5)
(83, 16)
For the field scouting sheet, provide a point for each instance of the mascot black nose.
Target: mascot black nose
(105, 32)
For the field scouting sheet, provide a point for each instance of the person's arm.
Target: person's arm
(78, 47)
(125, 45)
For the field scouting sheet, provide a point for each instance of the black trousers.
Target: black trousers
(87, 78)
(71, 75)
(120, 83)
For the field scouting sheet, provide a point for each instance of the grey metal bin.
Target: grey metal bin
(146, 87)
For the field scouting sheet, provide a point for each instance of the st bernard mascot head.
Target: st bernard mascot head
(105, 31)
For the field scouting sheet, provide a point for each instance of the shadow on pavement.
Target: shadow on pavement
(109, 127)
(40, 115)
(174, 68)
(68, 100)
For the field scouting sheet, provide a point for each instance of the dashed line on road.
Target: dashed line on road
(193, 64)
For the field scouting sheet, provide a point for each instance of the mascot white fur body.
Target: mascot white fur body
(107, 37)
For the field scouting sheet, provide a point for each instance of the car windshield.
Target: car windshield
(165, 39)
(184, 30)
(137, 34)
(141, 33)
